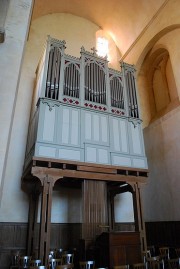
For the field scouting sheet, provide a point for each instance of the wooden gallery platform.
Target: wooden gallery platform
(99, 185)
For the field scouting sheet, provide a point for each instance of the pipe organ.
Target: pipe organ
(85, 110)
(84, 131)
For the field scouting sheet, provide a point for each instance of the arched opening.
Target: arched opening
(157, 80)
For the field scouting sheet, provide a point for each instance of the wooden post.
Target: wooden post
(139, 222)
(45, 218)
(33, 209)
(94, 210)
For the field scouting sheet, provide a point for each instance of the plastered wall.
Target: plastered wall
(161, 194)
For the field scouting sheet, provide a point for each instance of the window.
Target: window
(102, 46)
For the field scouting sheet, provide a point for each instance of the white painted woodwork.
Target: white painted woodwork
(136, 139)
(96, 129)
(88, 126)
(103, 156)
(65, 125)
(69, 154)
(123, 135)
(140, 163)
(47, 151)
(115, 135)
(68, 132)
(104, 129)
(49, 124)
(121, 160)
(119, 135)
(74, 128)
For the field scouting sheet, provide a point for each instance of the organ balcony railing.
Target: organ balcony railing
(87, 81)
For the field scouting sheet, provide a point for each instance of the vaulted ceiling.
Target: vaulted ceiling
(122, 19)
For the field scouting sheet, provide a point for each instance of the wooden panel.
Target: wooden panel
(100, 170)
(124, 239)
(70, 153)
(46, 151)
(95, 128)
(123, 248)
(119, 135)
(163, 233)
(136, 139)
(121, 160)
(118, 255)
(65, 125)
(13, 238)
(49, 124)
(115, 135)
(94, 208)
(75, 133)
(123, 136)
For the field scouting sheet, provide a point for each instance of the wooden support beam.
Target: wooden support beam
(87, 175)
(33, 210)
(139, 217)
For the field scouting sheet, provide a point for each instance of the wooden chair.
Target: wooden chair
(65, 266)
(125, 266)
(152, 250)
(54, 262)
(177, 250)
(24, 262)
(139, 265)
(155, 263)
(67, 258)
(174, 263)
(38, 267)
(145, 255)
(87, 264)
(52, 254)
(59, 253)
(35, 263)
(164, 253)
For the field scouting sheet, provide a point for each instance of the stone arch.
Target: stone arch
(152, 42)
(156, 79)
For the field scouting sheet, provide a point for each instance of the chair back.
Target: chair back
(174, 263)
(155, 263)
(87, 264)
(177, 250)
(139, 265)
(152, 250)
(54, 262)
(164, 253)
(35, 262)
(67, 258)
(65, 266)
(125, 266)
(24, 261)
(146, 254)
(15, 259)
(52, 254)
(38, 267)
(59, 253)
